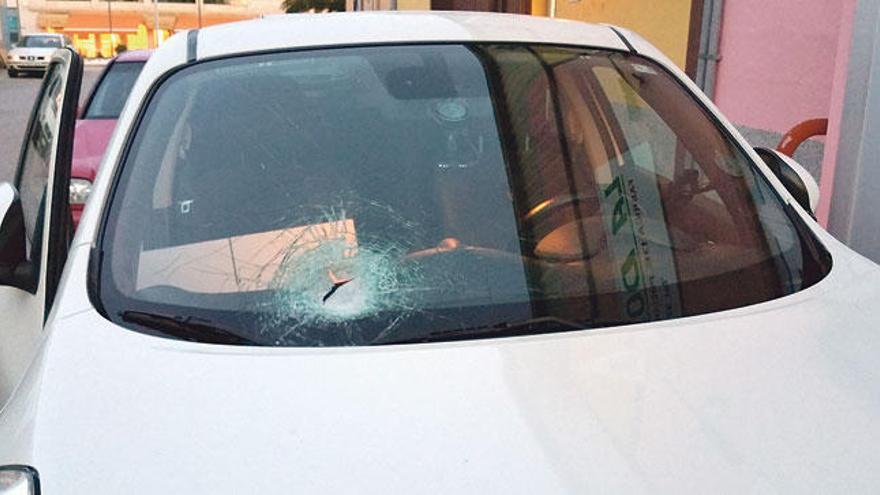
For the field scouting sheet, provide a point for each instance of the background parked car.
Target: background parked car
(33, 52)
(96, 122)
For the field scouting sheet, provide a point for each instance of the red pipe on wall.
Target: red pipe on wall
(800, 133)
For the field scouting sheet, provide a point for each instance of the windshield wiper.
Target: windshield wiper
(532, 326)
(186, 328)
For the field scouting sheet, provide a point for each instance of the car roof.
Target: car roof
(295, 31)
(134, 56)
(357, 28)
(54, 35)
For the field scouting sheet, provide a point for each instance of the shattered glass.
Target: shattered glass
(329, 276)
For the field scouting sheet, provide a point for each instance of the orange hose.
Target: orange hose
(800, 133)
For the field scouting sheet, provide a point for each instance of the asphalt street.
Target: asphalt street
(16, 99)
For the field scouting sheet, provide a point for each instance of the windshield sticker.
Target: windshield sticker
(639, 241)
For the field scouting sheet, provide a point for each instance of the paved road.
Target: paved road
(16, 98)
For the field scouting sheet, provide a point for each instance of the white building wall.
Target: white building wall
(855, 203)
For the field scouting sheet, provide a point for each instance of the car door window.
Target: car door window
(33, 173)
(44, 163)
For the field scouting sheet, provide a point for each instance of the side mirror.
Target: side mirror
(796, 179)
(15, 269)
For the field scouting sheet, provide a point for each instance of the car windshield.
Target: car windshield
(40, 42)
(113, 90)
(371, 195)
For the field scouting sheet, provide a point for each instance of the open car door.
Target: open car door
(35, 222)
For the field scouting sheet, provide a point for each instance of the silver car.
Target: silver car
(33, 52)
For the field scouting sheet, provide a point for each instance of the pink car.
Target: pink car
(96, 122)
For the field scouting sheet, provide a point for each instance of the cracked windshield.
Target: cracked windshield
(397, 194)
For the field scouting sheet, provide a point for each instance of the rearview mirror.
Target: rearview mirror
(796, 179)
(15, 270)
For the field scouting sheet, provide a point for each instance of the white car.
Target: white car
(436, 253)
(33, 52)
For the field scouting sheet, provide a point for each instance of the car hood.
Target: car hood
(89, 143)
(24, 52)
(783, 395)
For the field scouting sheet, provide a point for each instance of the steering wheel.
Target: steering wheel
(561, 240)
(547, 207)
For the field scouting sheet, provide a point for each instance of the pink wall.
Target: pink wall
(778, 61)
